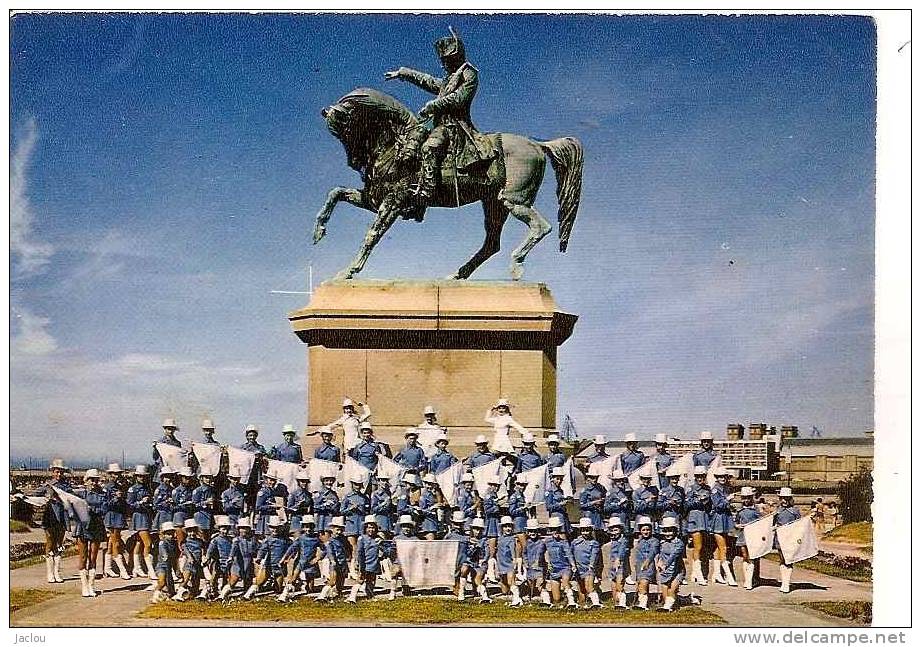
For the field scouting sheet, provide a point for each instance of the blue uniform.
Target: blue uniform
(585, 553)
(232, 502)
(325, 506)
(704, 458)
(305, 548)
(518, 510)
(203, 498)
(354, 508)
(428, 508)
(368, 554)
(300, 502)
(183, 508)
(271, 550)
(287, 452)
(411, 457)
(556, 459)
(697, 502)
(440, 461)
(671, 502)
(478, 458)
(645, 501)
(166, 440)
(535, 558)
(462, 541)
(664, 460)
(618, 504)
(646, 551)
(560, 560)
(555, 502)
(163, 505)
(219, 554)
(117, 511)
(591, 503)
(465, 502)
(492, 513)
(720, 511)
(337, 550)
(505, 554)
(630, 461)
(242, 554)
(264, 508)
(620, 556)
(366, 452)
(382, 509)
(784, 516)
(95, 530)
(747, 514)
(328, 452)
(193, 549)
(599, 456)
(255, 448)
(671, 560)
(167, 554)
(141, 511)
(529, 459)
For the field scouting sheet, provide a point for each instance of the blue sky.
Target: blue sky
(166, 169)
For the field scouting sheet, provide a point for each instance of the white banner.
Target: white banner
(355, 469)
(537, 484)
(284, 471)
(449, 479)
(797, 540)
(175, 457)
(75, 506)
(428, 563)
(320, 468)
(573, 479)
(711, 471)
(240, 463)
(646, 469)
(209, 458)
(391, 469)
(759, 536)
(685, 466)
(427, 437)
(604, 469)
(485, 473)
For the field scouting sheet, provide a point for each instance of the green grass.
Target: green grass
(860, 533)
(812, 564)
(417, 611)
(859, 611)
(19, 526)
(39, 559)
(22, 598)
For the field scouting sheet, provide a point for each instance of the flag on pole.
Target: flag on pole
(448, 480)
(174, 457)
(685, 467)
(391, 469)
(759, 536)
(284, 471)
(209, 458)
(646, 469)
(603, 470)
(537, 484)
(240, 463)
(797, 540)
(354, 469)
(320, 468)
(711, 471)
(428, 563)
(75, 506)
(573, 479)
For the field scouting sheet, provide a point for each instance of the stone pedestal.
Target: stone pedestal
(457, 345)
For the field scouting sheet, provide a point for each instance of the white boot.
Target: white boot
(545, 598)
(49, 569)
(571, 599)
(353, 594)
(250, 592)
(181, 593)
(84, 586)
(137, 569)
(593, 598)
(630, 579)
(393, 590)
(202, 592)
(151, 571)
(91, 581)
(122, 568)
(462, 594)
(516, 597)
(57, 569)
(642, 602)
(715, 574)
(324, 592)
(158, 596)
(698, 573)
(107, 566)
(748, 568)
(484, 596)
(285, 592)
(728, 574)
(786, 574)
(225, 592)
(669, 603)
(206, 573)
(621, 600)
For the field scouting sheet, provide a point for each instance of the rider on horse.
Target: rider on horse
(449, 112)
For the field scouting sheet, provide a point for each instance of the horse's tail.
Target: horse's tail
(565, 155)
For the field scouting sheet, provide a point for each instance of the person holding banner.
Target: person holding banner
(670, 563)
(327, 451)
(91, 532)
(169, 438)
(254, 479)
(481, 455)
(115, 520)
(370, 551)
(242, 558)
(300, 498)
(560, 563)
(646, 551)
(555, 500)
(599, 445)
(207, 433)
(585, 553)
(631, 459)
(748, 513)
(620, 548)
(528, 458)
(707, 454)
(721, 527)
(288, 451)
(233, 499)
(786, 513)
(304, 555)
(430, 507)
(663, 459)
(441, 459)
(697, 503)
(555, 455)
(412, 456)
(139, 501)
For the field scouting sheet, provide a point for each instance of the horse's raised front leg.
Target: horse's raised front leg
(336, 195)
(538, 227)
(495, 214)
(386, 216)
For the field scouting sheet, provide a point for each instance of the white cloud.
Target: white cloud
(30, 256)
(32, 337)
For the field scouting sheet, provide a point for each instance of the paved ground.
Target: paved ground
(122, 600)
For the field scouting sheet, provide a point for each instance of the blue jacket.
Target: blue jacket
(412, 458)
(365, 452)
(328, 453)
(555, 502)
(630, 461)
(585, 553)
(337, 550)
(369, 553)
(646, 551)
(183, 508)
(704, 458)
(243, 552)
(272, 550)
(663, 462)
(219, 551)
(440, 461)
(591, 503)
(620, 555)
(203, 498)
(232, 501)
(671, 501)
(308, 549)
(556, 459)
(645, 500)
(671, 559)
(354, 507)
(559, 554)
(478, 458)
(325, 506)
(529, 460)
(535, 557)
(193, 549)
(287, 452)
(300, 502)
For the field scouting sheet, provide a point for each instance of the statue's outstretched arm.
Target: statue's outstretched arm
(463, 95)
(425, 81)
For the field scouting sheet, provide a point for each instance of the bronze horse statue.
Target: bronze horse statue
(377, 132)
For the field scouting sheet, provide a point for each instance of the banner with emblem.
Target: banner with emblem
(174, 457)
(284, 471)
(389, 468)
(484, 473)
(320, 468)
(538, 480)
(75, 506)
(427, 437)
(426, 564)
(449, 479)
(573, 479)
(208, 457)
(240, 463)
(797, 540)
(759, 536)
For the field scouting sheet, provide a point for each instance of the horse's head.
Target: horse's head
(364, 121)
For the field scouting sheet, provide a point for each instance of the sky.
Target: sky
(165, 171)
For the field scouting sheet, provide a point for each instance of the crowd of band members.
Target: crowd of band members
(209, 534)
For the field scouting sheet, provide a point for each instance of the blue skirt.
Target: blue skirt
(205, 520)
(429, 525)
(160, 517)
(555, 574)
(140, 521)
(697, 521)
(521, 524)
(353, 524)
(384, 522)
(721, 523)
(114, 520)
(492, 527)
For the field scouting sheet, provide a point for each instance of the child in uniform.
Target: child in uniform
(585, 553)
(647, 549)
(621, 545)
(508, 560)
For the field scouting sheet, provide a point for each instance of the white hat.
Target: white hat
(668, 522)
(365, 425)
(720, 471)
(325, 430)
(558, 471)
(370, 518)
(250, 428)
(615, 521)
(506, 521)
(406, 520)
(91, 473)
(521, 478)
(347, 403)
(166, 526)
(234, 473)
(481, 440)
(441, 436)
(527, 437)
(533, 524)
(555, 522)
(302, 474)
(700, 469)
(190, 523)
(207, 424)
(643, 521)
(410, 431)
(553, 438)
(324, 477)
(114, 468)
(169, 423)
(429, 410)
(308, 519)
(673, 470)
(275, 522)
(785, 492)
(288, 429)
(660, 438)
(600, 440)
(185, 471)
(585, 522)
(478, 523)
(222, 520)
(430, 478)
(355, 478)
(630, 438)
(706, 435)
(412, 479)
(140, 470)
(166, 470)
(594, 469)
(382, 477)
(458, 517)
(747, 491)
(339, 522)
(495, 479)
(645, 475)
(57, 463)
(243, 522)
(503, 402)
(467, 477)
